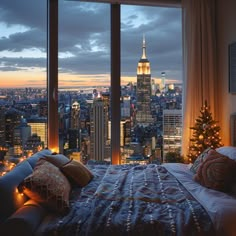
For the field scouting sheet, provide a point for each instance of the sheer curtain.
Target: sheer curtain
(199, 52)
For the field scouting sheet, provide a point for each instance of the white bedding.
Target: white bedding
(220, 206)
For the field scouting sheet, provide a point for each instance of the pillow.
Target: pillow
(77, 172)
(57, 160)
(34, 158)
(47, 186)
(228, 151)
(199, 160)
(216, 172)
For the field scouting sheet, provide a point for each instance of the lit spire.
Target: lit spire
(144, 48)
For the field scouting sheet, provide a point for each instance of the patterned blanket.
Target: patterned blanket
(132, 200)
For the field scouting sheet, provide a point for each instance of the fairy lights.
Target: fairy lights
(205, 134)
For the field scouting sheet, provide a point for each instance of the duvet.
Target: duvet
(132, 200)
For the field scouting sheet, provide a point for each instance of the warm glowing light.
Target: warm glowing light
(116, 160)
(55, 150)
(201, 136)
(3, 173)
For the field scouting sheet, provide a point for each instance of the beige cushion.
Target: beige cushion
(77, 172)
(57, 159)
(48, 186)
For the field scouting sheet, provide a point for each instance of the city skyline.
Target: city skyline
(84, 47)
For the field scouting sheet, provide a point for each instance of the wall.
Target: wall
(226, 34)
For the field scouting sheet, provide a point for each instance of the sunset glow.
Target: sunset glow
(38, 79)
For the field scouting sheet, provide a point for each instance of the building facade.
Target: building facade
(99, 142)
(144, 116)
(172, 131)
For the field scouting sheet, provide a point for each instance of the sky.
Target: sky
(84, 43)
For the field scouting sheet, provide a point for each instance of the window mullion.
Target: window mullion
(115, 83)
(52, 74)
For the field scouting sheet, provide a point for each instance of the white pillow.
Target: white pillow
(228, 151)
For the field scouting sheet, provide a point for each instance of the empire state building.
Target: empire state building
(144, 116)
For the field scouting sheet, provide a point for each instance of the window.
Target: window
(151, 43)
(84, 80)
(23, 87)
(77, 53)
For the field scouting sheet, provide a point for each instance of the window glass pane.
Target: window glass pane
(84, 80)
(23, 96)
(151, 97)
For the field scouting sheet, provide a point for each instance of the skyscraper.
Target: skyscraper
(12, 119)
(99, 145)
(144, 116)
(172, 130)
(2, 126)
(74, 130)
(75, 114)
(39, 127)
(21, 134)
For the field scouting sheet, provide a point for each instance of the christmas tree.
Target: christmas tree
(205, 134)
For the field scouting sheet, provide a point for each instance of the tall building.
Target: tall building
(125, 107)
(144, 116)
(12, 119)
(163, 81)
(33, 145)
(39, 127)
(2, 126)
(74, 131)
(75, 115)
(99, 142)
(172, 131)
(43, 108)
(21, 134)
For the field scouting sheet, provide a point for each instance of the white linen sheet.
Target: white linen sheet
(220, 206)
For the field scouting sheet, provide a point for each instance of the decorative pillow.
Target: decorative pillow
(47, 186)
(77, 172)
(228, 151)
(57, 160)
(217, 172)
(199, 160)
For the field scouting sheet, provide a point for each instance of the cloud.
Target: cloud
(84, 35)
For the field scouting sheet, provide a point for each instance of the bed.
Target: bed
(137, 200)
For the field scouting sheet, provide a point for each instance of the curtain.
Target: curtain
(199, 62)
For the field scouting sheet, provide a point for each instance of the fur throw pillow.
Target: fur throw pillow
(216, 172)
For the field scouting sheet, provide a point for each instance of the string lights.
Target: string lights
(205, 134)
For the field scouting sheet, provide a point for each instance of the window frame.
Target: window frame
(52, 69)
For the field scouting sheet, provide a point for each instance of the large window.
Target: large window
(23, 86)
(84, 80)
(151, 82)
(112, 71)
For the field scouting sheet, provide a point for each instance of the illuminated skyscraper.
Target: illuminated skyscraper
(39, 127)
(172, 130)
(12, 119)
(125, 107)
(74, 131)
(143, 116)
(21, 134)
(75, 114)
(2, 126)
